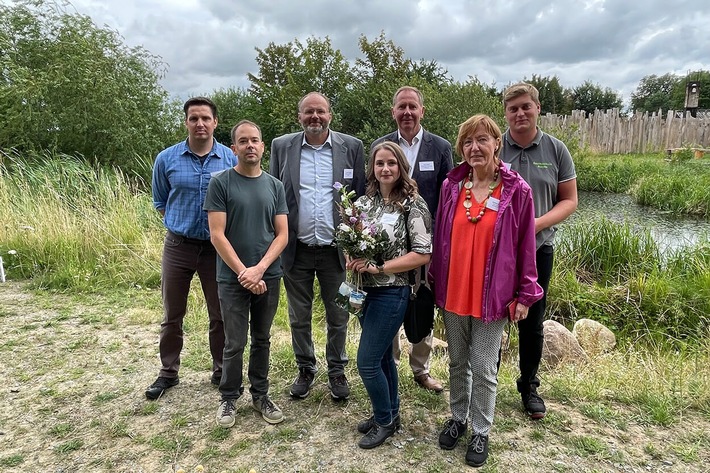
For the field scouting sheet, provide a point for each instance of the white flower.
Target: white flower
(343, 228)
(12, 252)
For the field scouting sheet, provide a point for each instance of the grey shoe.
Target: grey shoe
(225, 414)
(269, 411)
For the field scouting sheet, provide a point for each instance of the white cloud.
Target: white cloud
(210, 44)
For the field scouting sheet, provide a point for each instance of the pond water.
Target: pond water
(669, 230)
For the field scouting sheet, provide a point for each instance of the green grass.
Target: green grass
(680, 186)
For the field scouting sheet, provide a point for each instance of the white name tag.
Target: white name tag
(347, 173)
(389, 219)
(426, 165)
(493, 204)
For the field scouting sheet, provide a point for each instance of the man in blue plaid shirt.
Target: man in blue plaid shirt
(181, 174)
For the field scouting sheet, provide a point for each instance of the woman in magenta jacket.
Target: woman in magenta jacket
(483, 273)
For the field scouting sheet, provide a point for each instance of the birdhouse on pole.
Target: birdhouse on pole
(692, 96)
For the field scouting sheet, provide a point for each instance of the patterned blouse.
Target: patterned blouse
(392, 220)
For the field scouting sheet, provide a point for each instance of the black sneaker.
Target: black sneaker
(364, 426)
(339, 387)
(533, 404)
(216, 378)
(301, 387)
(477, 451)
(160, 385)
(453, 431)
(377, 435)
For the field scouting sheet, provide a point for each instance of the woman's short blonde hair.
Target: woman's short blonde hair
(469, 127)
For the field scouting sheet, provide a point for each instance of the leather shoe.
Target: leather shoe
(427, 382)
(160, 385)
(364, 426)
(377, 435)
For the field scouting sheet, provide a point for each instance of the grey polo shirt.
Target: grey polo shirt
(544, 164)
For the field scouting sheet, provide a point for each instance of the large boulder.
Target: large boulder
(560, 345)
(593, 336)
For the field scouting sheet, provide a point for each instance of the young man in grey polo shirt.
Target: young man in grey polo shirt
(546, 165)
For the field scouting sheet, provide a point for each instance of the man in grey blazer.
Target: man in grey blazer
(309, 163)
(430, 160)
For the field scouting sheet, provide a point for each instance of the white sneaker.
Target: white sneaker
(225, 414)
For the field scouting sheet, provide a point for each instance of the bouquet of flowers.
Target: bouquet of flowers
(359, 236)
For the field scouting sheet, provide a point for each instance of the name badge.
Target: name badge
(493, 203)
(347, 173)
(389, 218)
(426, 165)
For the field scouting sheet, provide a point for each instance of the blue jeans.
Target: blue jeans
(237, 304)
(382, 315)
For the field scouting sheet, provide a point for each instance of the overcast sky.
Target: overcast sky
(210, 44)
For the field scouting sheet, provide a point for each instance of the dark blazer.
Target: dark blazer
(436, 150)
(286, 166)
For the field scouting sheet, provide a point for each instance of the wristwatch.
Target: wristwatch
(380, 268)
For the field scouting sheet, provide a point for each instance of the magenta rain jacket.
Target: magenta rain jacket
(510, 270)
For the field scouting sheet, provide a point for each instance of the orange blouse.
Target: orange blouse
(470, 246)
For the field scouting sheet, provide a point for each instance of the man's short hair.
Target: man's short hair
(243, 122)
(200, 101)
(408, 87)
(300, 102)
(521, 88)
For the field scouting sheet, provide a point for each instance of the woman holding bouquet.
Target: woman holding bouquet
(483, 272)
(392, 202)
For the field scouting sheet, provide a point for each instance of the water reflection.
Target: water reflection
(669, 230)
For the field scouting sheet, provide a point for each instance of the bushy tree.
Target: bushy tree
(590, 97)
(69, 86)
(655, 93)
(289, 71)
(553, 97)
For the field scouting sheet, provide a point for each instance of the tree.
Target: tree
(553, 97)
(70, 86)
(287, 72)
(382, 69)
(234, 105)
(655, 93)
(590, 97)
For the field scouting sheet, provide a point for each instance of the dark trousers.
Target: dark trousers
(182, 258)
(245, 312)
(323, 263)
(530, 329)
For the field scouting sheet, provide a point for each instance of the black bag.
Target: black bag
(419, 319)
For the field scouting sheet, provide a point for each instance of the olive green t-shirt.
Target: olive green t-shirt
(251, 203)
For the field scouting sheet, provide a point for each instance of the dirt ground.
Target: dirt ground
(73, 371)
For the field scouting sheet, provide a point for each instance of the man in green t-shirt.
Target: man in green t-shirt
(247, 216)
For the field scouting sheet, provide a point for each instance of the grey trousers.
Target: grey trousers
(322, 262)
(473, 369)
(245, 312)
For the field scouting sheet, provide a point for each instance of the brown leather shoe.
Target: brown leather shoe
(427, 382)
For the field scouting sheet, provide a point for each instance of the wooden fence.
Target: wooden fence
(609, 133)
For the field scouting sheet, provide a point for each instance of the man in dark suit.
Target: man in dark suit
(309, 163)
(430, 160)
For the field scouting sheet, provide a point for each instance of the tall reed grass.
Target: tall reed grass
(681, 186)
(615, 274)
(67, 225)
